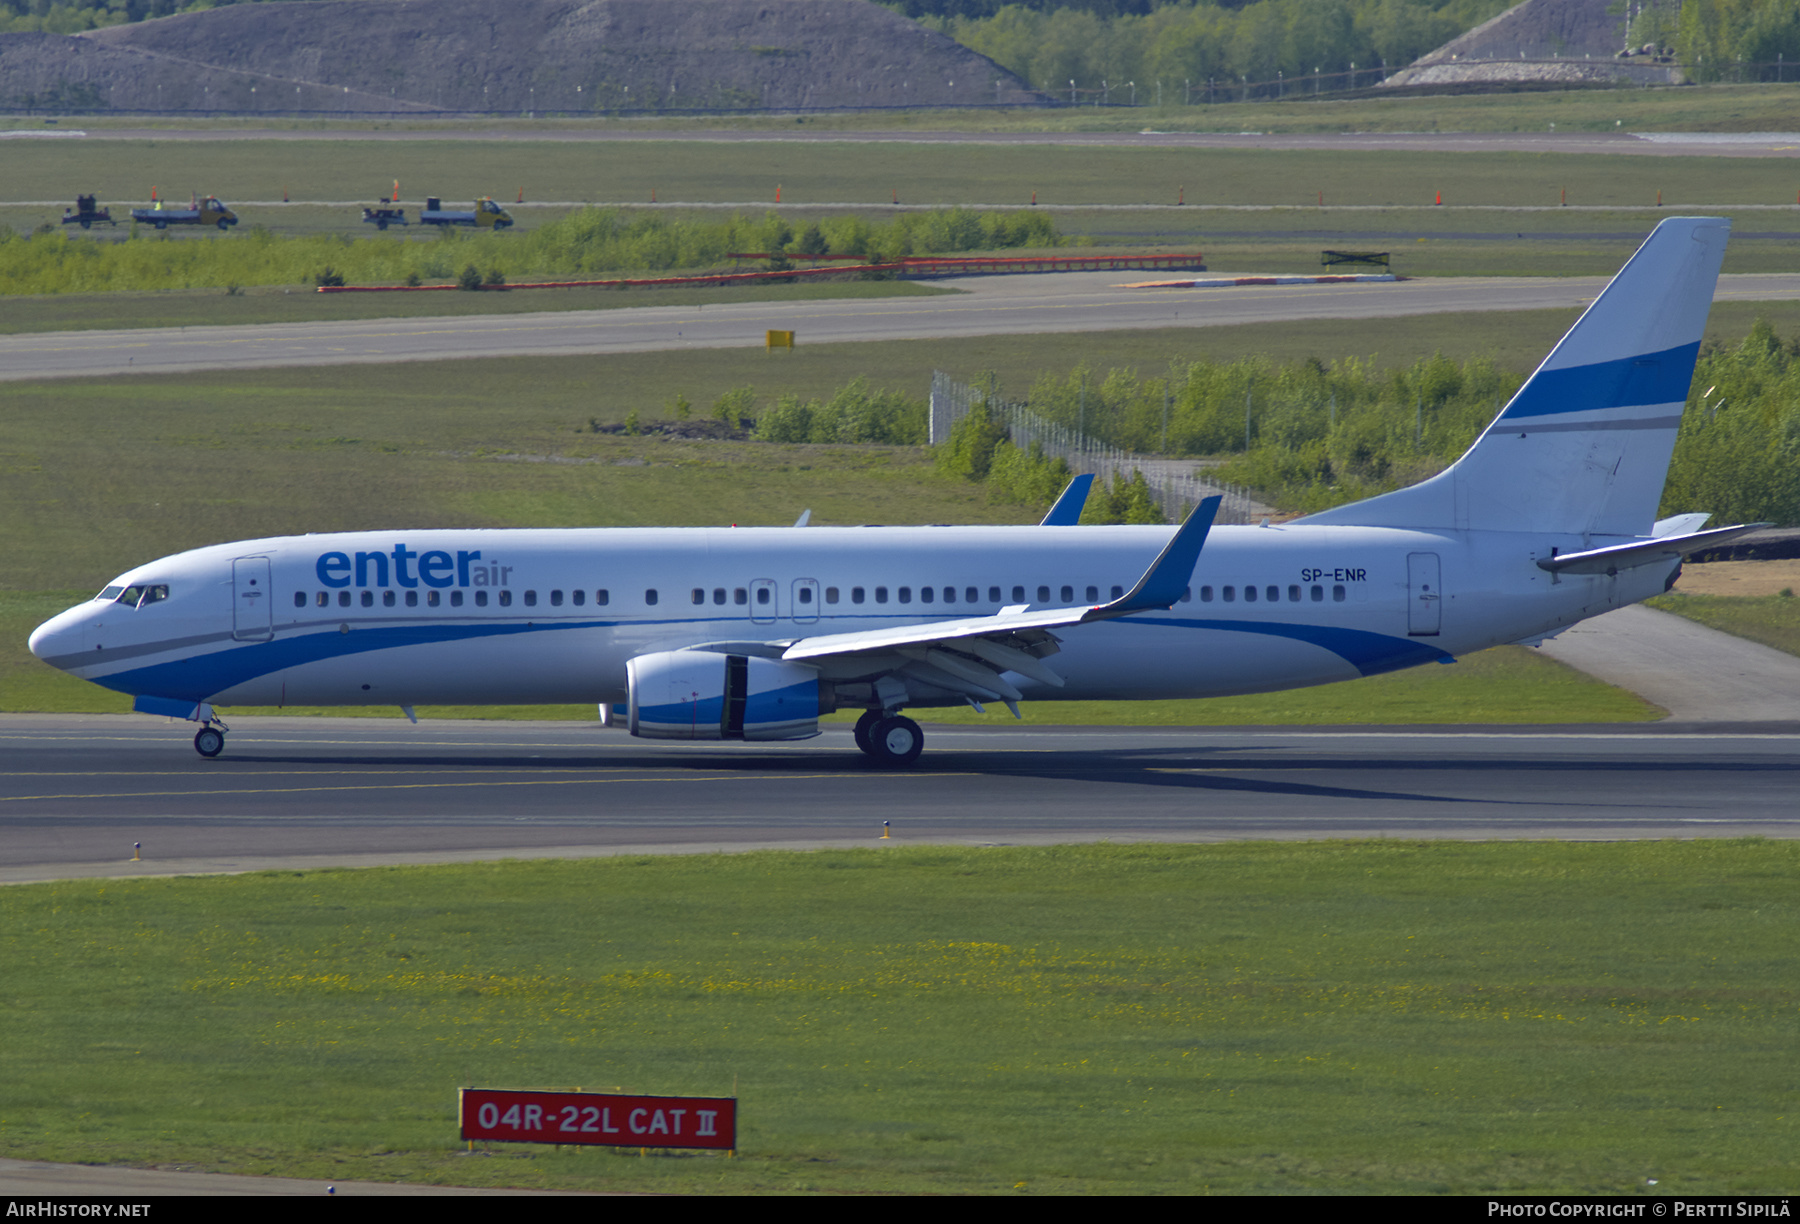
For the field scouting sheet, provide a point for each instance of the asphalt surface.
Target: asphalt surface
(1001, 305)
(76, 793)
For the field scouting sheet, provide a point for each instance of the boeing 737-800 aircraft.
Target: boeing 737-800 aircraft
(710, 634)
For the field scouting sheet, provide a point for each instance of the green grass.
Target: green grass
(97, 475)
(1773, 620)
(1372, 1017)
(1709, 108)
(867, 176)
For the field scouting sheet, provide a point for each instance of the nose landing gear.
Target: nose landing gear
(209, 741)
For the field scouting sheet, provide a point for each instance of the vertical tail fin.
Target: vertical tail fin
(1583, 448)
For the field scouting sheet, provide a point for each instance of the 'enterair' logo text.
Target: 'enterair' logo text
(407, 568)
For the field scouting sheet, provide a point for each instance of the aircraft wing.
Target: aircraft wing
(968, 655)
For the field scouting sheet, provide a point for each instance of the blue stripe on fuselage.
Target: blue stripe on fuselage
(199, 677)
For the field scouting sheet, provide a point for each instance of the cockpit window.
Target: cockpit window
(142, 594)
(110, 593)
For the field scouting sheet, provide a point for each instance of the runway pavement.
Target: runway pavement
(1009, 305)
(76, 792)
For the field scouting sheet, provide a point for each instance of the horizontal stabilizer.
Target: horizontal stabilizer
(1616, 557)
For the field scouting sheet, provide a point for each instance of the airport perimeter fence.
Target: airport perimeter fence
(1173, 484)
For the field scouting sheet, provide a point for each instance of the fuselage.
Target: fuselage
(553, 616)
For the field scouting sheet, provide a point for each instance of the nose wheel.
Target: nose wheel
(890, 740)
(209, 742)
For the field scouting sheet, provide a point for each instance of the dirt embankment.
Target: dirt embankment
(541, 56)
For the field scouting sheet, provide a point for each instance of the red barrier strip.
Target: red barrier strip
(916, 267)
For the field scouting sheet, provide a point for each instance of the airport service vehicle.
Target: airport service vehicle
(753, 634)
(381, 218)
(87, 213)
(207, 211)
(485, 215)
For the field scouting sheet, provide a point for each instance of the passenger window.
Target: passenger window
(905, 594)
(368, 599)
(1273, 593)
(431, 599)
(412, 598)
(1293, 594)
(649, 597)
(387, 599)
(530, 598)
(1068, 594)
(1018, 595)
(480, 599)
(1187, 594)
(949, 594)
(762, 595)
(456, 598)
(1205, 594)
(719, 596)
(1043, 594)
(578, 598)
(1318, 594)
(299, 599)
(699, 596)
(740, 596)
(805, 594)
(1118, 592)
(556, 599)
(602, 598)
(973, 595)
(880, 594)
(924, 594)
(324, 600)
(1337, 594)
(1093, 594)
(831, 595)
(856, 595)
(1249, 594)
(1230, 594)
(343, 599)
(506, 599)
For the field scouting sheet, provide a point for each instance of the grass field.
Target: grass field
(98, 475)
(1377, 1017)
(1710, 108)
(1773, 620)
(864, 175)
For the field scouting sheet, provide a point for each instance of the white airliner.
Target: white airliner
(714, 634)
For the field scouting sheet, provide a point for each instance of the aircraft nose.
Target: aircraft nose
(58, 638)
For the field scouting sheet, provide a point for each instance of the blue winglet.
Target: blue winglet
(1168, 576)
(1067, 510)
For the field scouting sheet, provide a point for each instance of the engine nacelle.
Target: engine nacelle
(700, 695)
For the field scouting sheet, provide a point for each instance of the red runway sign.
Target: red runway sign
(598, 1118)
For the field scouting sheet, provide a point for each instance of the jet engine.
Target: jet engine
(700, 695)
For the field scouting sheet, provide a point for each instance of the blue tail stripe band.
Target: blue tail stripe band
(1629, 382)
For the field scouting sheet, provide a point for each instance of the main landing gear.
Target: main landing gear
(889, 739)
(209, 741)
